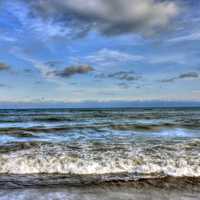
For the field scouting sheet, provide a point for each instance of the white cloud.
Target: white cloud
(189, 37)
(45, 70)
(7, 38)
(35, 25)
(107, 57)
(168, 58)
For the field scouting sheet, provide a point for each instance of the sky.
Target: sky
(99, 50)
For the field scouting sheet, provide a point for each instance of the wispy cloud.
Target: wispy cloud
(28, 71)
(123, 85)
(35, 25)
(190, 37)
(108, 57)
(54, 63)
(7, 38)
(177, 58)
(45, 70)
(185, 76)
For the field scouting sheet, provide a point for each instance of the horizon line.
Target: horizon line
(100, 105)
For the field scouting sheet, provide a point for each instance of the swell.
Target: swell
(95, 127)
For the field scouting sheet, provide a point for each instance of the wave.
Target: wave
(177, 160)
(142, 127)
(121, 127)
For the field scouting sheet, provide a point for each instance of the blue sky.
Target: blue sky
(97, 50)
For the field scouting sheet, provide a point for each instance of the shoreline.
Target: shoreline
(155, 189)
(13, 181)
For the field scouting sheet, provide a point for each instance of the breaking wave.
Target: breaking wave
(176, 160)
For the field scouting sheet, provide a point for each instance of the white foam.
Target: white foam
(180, 162)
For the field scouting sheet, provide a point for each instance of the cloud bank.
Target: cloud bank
(108, 17)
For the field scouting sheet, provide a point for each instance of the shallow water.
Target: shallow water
(112, 191)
